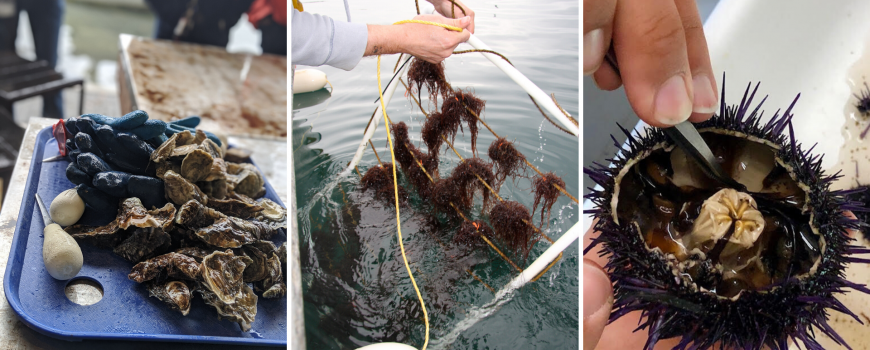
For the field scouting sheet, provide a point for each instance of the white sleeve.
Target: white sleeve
(319, 40)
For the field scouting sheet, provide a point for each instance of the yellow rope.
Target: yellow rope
(442, 25)
(395, 179)
(398, 219)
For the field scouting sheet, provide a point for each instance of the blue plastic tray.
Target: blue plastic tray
(125, 312)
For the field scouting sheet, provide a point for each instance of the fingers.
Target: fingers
(597, 302)
(468, 13)
(597, 30)
(706, 99)
(650, 44)
(850, 215)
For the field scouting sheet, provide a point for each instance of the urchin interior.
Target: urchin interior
(721, 240)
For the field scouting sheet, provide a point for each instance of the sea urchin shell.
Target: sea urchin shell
(762, 268)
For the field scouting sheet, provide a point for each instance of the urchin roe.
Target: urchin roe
(664, 195)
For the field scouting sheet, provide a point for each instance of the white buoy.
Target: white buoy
(308, 80)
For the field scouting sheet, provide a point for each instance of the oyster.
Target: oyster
(144, 242)
(273, 214)
(196, 166)
(219, 230)
(105, 236)
(273, 285)
(180, 191)
(165, 150)
(132, 213)
(169, 265)
(176, 294)
(222, 274)
(245, 179)
(257, 269)
(239, 205)
(242, 311)
(196, 253)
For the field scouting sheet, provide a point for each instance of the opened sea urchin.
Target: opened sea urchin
(746, 268)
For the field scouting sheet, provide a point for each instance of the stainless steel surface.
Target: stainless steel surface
(46, 217)
(53, 159)
(16, 335)
(687, 137)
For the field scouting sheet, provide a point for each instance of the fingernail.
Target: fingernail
(672, 104)
(597, 290)
(593, 51)
(706, 100)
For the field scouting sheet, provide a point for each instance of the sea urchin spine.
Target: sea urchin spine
(787, 278)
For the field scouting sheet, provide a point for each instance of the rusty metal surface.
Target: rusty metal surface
(16, 335)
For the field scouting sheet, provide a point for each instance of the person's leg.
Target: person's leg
(213, 19)
(274, 37)
(9, 31)
(46, 17)
(166, 16)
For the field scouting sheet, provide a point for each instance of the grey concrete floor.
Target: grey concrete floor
(602, 110)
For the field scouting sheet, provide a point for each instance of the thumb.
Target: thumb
(460, 22)
(597, 301)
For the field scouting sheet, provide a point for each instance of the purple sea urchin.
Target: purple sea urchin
(863, 104)
(712, 265)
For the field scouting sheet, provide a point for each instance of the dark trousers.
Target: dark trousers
(46, 17)
(212, 20)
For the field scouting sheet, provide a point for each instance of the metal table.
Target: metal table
(16, 335)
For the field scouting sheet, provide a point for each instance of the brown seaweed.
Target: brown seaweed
(467, 107)
(511, 222)
(431, 75)
(469, 231)
(546, 193)
(506, 160)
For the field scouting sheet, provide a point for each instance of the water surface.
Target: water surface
(356, 290)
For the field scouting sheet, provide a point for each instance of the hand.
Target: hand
(424, 41)
(662, 56)
(453, 9)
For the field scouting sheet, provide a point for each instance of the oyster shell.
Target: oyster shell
(169, 265)
(196, 166)
(176, 294)
(242, 311)
(180, 191)
(219, 230)
(133, 213)
(142, 243)
(105, 236)
(273, 214)
(239, 205)
(165, 150)
(245, 179)
(222, 275)
(257, 269)
(273, 285)
(196, 253)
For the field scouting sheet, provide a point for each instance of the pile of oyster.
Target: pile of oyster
(211, 238)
